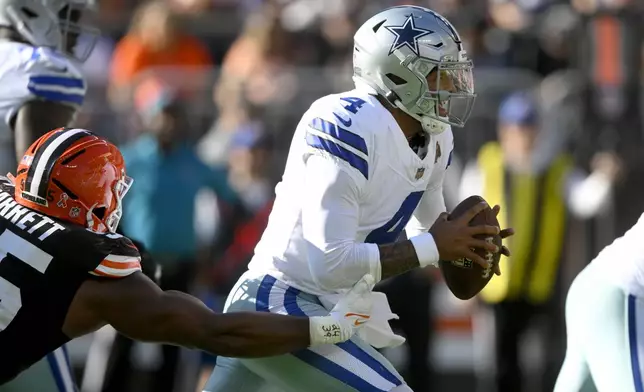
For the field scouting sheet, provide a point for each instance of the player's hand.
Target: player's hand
(504, 233)
(355, 306)
(455, 238)
(352, 312)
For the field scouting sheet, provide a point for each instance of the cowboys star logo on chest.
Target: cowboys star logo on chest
(407, 35)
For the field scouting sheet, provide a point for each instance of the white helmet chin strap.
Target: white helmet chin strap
(430, 125)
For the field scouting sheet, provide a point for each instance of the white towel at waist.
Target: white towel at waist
(377, 331)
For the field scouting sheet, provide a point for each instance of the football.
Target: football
(464, 277)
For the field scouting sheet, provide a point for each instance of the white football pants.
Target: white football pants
(605, 334)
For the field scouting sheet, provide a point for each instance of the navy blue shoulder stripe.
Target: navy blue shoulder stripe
(62, 89)
(339, 151)
(341, 134)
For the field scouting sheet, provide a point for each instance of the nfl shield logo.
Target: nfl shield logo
(420, 172)
(27, 159)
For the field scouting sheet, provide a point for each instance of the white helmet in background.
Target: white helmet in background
(396, 51)
(78, 37)
(34, 22)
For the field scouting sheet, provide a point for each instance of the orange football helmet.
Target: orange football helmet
(75, 176)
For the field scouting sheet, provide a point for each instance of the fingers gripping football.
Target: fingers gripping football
(456, 238)
(505, 233)
(470, 246)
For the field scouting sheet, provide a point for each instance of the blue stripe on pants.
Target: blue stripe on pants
(336, 371)
(57, 370)
(69, 365)
(290, 303)
(368, 360)
(316, 360)
(632, 338)
(263, 293)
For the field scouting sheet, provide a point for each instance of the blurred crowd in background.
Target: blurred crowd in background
(204, 95)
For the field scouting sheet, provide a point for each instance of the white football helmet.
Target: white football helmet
(398, 50)
(34, 22)
(78, 38)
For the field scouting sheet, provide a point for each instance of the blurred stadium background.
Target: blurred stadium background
(242, 72)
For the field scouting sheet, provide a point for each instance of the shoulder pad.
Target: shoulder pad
(120, 257)
(52, 76)
(105, 255)
(116, 244)
(341, 126)
(353, 110)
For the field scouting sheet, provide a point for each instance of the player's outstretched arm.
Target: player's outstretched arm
(138, 308)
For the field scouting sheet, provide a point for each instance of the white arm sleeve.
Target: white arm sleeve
(428, 210)
(430, 207)
(330, 222)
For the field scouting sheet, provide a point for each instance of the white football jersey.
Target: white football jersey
(28, 73)
(351, 181)
(624, 260)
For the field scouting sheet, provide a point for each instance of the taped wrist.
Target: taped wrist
(329, 330)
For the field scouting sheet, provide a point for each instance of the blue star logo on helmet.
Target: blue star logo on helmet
(407, 35)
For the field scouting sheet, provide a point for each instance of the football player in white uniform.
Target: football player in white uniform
(605, 320)
(42, 89)
(70, 15)
(363, 165)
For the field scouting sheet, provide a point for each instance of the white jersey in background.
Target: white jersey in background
(353, 177)
(28, 73)
(605, 320)
(626, 255)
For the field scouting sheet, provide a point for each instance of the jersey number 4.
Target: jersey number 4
(390, 231)
(15, 249)
(353, 105)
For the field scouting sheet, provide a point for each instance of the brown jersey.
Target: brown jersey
(43, 262)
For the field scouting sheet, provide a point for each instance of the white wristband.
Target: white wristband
(426, 249)
(328, 330)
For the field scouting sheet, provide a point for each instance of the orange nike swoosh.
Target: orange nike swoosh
(358, 322)
(357, 314)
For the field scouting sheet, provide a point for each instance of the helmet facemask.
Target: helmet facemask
(78, 36)
(447, 91)
(110, 221)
